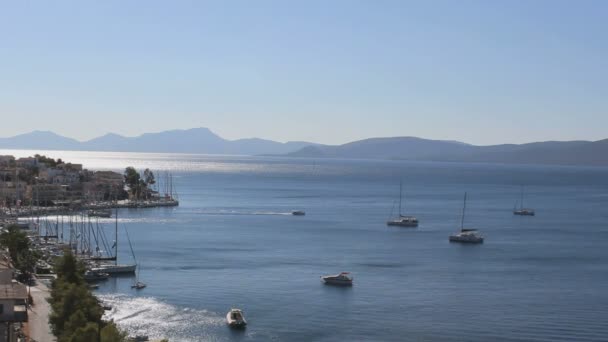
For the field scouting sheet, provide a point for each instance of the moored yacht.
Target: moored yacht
(521, 211)
(236, 319)
(343, 279)
(95, 276)
(402, 220)
(114, 268)
(466, 235)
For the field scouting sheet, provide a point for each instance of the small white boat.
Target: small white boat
(298, 213)
(138, 285)
(343, 279)
(235, 318)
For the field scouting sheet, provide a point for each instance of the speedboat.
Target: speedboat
(343, 279)
(298, 213)
(235, 318)
(403, 221)
(467, 236)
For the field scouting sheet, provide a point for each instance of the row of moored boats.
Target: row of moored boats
(464, 235)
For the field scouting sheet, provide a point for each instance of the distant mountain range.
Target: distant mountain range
(195, 140)
(410, 148)
(202, 140)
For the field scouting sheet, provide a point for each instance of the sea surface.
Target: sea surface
(233, 243)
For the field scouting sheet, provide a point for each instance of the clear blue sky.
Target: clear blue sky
(334, 71)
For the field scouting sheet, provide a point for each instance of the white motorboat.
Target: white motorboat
(138, 285)
(236, 319)
(466, 235)
(343, 279)
(402, 220)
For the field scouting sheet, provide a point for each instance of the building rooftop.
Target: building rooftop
(13, 291)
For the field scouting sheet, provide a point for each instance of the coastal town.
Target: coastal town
(44, 261)
(42, 185)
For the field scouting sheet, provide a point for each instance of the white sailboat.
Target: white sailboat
(137, 284)
(466, 235)
(522, 211)
(402, 220)
(115, 268)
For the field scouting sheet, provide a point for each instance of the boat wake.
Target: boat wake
(156, 319)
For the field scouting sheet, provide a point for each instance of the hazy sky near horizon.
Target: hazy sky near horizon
(482, 72)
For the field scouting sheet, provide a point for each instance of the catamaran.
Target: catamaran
(466, 235)
(522, 211)
(402, 220)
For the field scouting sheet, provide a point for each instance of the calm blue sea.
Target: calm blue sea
(232, 243)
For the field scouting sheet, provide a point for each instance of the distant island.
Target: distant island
(203, 140)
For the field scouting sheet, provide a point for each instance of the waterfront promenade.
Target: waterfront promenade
(38, 328)
(58, 210)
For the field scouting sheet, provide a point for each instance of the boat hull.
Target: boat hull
(235, 323)
(115, 269)
(455, 238)
(523, 213)
(402, 224)
(337, 282)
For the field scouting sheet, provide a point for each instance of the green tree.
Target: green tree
(86, 333)
(66, 300)
(111, 333)
(75, 312)
(149, 177)
(69, 269)
(132, 179)
(22, 256)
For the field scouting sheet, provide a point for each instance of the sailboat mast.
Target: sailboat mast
(116, 237)
(400, 194)
(522, 197)
(464, 207)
